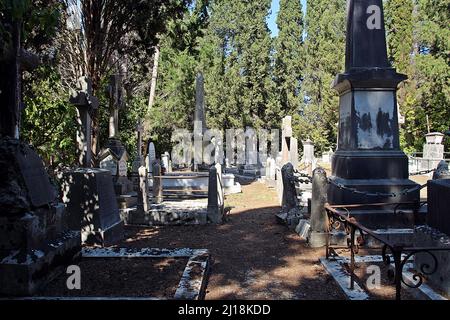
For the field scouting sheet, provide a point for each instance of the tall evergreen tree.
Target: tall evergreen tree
(288, 56)
(237, 65)
(432, 62)
(324, 58)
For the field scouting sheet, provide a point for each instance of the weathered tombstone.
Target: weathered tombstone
(143, 204)
(319, 218)
(290, 211)
(90, 200)
(286, 140)
(35, 242)
(114, 149)
(308, 152)
(368, 157)
(157, 184)
(165, 158)
(85, 103)
(270, 169)
(151, 157)
(215, 210)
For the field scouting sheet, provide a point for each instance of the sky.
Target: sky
(271, 20)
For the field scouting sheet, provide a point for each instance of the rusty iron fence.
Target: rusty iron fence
(339, 217)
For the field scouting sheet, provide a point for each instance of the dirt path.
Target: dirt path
(253, 256)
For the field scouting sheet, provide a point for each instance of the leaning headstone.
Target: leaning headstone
(91, 201)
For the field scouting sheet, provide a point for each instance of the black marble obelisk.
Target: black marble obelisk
(368, 157)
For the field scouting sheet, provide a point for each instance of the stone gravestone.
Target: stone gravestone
(290, 211)
(294, 153)
(215, 211)
(151, 157)
(90, 199)
(35, 242)
(85, 103)
(114, 149)
(199, 123)
(286, 140)
(368, 157)
(308, 152)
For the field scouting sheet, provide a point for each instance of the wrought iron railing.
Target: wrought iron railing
(339, 217)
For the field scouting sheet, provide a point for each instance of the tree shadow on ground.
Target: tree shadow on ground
(253, 257)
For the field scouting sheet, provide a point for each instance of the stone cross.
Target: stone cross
(116, 102)
(85, 103)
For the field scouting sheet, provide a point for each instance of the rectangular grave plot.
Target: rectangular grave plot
(134, 274)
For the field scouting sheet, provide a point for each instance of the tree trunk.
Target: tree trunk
(151, 98)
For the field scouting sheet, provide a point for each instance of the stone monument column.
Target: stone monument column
(368, 157)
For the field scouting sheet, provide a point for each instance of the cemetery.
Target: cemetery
(151, 157)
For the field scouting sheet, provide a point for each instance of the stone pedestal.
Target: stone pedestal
(91, 203)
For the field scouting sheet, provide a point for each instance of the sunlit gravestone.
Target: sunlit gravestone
(89, 192)
(369, 158)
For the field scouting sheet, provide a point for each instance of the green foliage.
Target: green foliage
(49, 121)
(324, 59)
(289, 57)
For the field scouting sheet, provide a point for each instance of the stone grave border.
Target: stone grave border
(189, 288)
